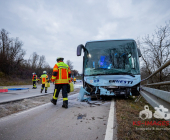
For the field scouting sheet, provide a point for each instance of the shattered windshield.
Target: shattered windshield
(111, 57)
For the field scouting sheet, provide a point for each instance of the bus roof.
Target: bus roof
(110, 40)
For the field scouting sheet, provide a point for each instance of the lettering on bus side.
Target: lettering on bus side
(121, 81)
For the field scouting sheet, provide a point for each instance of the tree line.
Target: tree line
(155, 50)
(13, 64)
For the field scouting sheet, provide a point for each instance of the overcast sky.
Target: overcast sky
(56, 27)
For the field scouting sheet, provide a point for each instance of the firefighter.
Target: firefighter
(44, 78)
(74, 80)
(34, 79)
(61, 77)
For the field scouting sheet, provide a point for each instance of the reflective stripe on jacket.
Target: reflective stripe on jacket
(44, 78)
(61, 73)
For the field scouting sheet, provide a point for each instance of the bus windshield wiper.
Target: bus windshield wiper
(100, 69)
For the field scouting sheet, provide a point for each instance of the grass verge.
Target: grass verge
(131, 127)
(14, 81)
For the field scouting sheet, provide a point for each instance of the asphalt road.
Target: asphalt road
(81, 121)
(13, 95)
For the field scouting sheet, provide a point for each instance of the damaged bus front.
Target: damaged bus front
(110, 68)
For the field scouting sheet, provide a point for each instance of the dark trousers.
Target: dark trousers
(34, 84)
(42, 87)
(57, 89)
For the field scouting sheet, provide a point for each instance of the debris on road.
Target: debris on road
(100, 118)
(95, 103)
(92, 105)
(93, 118)
(80, 116)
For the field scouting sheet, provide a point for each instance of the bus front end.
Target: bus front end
(110, 68)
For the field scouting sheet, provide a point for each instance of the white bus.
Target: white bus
(110, 68)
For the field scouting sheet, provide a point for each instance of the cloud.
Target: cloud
(55, 28)
(107, 31)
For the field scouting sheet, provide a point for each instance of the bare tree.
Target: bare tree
(11, 53)
(12, 61)
(70, 64)
(156, 50)
(74, 73)
(33, 60)
(41, 61)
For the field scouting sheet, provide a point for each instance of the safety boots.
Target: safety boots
(41, 90)
(45, 91)
(65, 104)
(53, 101)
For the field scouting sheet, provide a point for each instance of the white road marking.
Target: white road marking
(110, 123)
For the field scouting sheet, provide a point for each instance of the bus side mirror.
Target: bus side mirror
(139, 52)
(79, 48)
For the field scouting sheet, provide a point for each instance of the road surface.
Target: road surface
(81, 121)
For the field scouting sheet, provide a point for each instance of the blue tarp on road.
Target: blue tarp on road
(17, 88)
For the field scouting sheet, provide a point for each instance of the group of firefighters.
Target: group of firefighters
(44, 78)
(61, 77)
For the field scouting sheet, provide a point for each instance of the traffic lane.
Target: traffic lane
(76, 85)
(22, 94)
(25, 86)
(37, 90)
(54, 122)
(14, 95)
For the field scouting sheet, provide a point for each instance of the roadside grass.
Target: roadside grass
(14, 81)
(127, 113)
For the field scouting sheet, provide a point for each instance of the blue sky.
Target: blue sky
(55, 27)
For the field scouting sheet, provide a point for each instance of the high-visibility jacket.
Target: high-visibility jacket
(44, 78)
(74, 79)
(34, 77)
(61, 73)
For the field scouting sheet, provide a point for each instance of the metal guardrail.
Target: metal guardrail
(161, 68)
(159, 84)
(154, 96)
(164, 95)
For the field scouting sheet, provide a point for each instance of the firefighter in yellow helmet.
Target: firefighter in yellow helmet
(44, 78)
(34, 79)
(61, 77)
